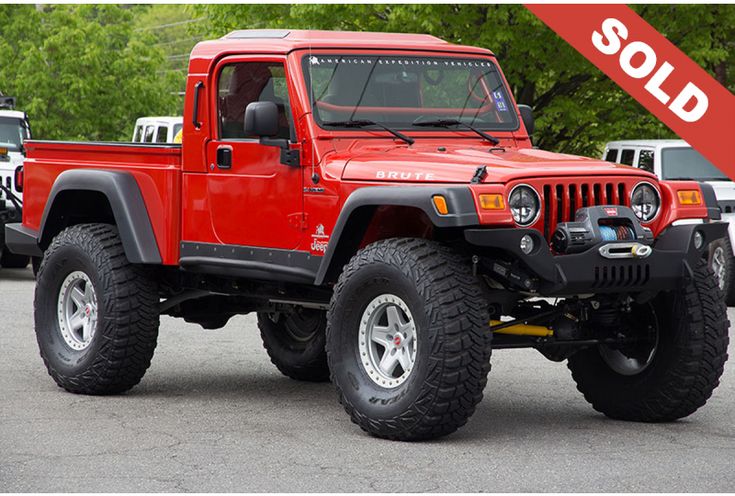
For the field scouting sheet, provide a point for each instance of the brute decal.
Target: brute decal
(404, 176)
(319, 241)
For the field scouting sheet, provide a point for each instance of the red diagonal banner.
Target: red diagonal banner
(654, 72)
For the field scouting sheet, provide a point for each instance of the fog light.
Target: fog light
(698, 240)
(526, 244)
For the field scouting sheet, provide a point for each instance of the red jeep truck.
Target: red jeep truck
(376, 200)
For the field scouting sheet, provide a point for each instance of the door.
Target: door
(255, 200)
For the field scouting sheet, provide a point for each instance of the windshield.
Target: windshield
(399, 90)
(12, 132)
(688, 164)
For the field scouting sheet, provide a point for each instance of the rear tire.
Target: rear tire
(420, 300)
(686, 365)
(295, 343)
(96, 314)
(10, 260)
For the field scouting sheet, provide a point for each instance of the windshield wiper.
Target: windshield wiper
(455, 122)
(365, 123)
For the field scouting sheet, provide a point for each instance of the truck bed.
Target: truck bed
(155, 167)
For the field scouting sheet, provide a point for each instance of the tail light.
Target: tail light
(19, 179)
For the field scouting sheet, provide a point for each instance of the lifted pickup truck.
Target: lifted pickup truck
(376, 200)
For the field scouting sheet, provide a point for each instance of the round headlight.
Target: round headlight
(525, 205)
(645, 202)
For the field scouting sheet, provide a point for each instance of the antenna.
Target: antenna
(314, 175)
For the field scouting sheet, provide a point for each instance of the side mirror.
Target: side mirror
(261, 119)
(527, 116)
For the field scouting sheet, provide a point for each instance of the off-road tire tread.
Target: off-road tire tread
(457, 387)
(701, 353)
(314, 370)
(130, 332)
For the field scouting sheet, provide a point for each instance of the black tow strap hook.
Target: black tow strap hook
(480, 174)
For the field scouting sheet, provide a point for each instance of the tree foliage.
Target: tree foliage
(82, 72)
(88, 71)
(577, 107)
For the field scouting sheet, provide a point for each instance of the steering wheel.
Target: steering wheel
(434, 81)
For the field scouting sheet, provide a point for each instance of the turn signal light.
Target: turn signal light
(492, 201)
(689, 197)
(441, 204)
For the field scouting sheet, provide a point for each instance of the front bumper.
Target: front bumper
(671, 261)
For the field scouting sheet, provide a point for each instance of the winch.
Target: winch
(601, 224)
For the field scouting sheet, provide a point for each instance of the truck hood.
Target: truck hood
(458, 165)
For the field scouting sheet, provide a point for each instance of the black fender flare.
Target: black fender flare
(360, 205)
(127, 204)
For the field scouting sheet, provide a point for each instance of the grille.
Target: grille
(616, 276)
(561, 201)
(726, 206)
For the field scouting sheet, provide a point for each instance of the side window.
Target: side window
(627, 157)
(162, 134)
(645, 160)
(612, 155)
(138, 135)
(149, 134)
(246, 82)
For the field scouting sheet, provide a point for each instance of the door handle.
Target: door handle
(224, 157)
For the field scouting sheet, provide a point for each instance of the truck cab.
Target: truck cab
(676, 160)
(376, 201)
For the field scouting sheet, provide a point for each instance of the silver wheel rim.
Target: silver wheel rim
(719, 266)
(387, 341)
(77, 310)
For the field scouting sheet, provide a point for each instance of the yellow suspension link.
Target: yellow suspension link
(523, 330)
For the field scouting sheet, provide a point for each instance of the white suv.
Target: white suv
(676, 159)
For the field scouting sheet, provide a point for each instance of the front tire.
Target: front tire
(96, 314)
(295, 343)
(679, 372)
(407, 339)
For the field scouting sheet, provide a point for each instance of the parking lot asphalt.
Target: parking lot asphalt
(213, 414)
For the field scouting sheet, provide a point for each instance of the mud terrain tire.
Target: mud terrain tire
(295, 343)
(452, 347)
(686, 366)
(125, 327)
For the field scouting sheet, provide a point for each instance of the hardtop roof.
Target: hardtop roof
(283, 41)
(655, 143)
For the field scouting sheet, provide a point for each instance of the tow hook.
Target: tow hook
(625, 250)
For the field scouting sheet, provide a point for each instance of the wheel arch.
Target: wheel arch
(83, 195)
(363, 206)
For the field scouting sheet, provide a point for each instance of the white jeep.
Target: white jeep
(676, 159)
(14, 130)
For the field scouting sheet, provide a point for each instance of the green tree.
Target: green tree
(577, 107)
(82, 72)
